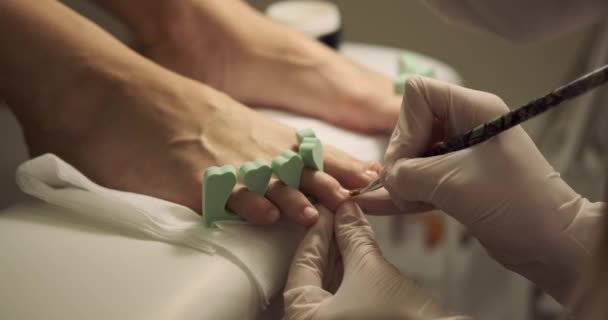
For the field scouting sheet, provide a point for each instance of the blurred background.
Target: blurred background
(516, 73)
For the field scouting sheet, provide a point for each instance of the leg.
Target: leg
(129, 124)
(231, 47)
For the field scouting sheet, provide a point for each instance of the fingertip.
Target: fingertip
(349, 212)
(308, 216)
(273, 215)
(413, 85)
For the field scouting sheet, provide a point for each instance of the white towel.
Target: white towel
(263, 252)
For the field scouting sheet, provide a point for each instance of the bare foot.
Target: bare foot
(233, 48)
(154, 132)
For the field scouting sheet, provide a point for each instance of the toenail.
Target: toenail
(273, 214)
(310, 212)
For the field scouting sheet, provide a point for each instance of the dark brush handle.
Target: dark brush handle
(531, 109)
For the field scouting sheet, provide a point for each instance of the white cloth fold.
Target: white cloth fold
(263, 252)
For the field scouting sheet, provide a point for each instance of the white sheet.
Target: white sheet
(265, 258)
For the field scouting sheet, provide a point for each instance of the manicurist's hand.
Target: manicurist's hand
(233, 48)
(371, 288)
(503, 190)
(132, 125)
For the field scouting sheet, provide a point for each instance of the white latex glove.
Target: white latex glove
(503, 190)
(371, 287)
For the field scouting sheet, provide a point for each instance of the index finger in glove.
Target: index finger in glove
(310, 259)
(355, 236)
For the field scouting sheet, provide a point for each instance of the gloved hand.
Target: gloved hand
(371, 287)
(503, 190)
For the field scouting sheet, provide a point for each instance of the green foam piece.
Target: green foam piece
(427, 71)
(311, 151)
(288, 167)
(408, 63)
(306, 132)
(218, 183)
(399, 83)
(256, 175)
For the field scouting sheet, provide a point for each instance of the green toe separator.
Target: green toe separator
(408, 63)
(218, 183)
(256, 175)
(311, 151)
(399, 83)
(288, 167)
(305, 133)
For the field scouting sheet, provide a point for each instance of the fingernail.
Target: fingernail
(372, 174)
(310, 212)
(273, 214)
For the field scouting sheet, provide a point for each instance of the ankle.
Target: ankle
(74, 103)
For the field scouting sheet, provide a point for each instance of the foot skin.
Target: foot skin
(233, 48)
(156, 132)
